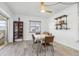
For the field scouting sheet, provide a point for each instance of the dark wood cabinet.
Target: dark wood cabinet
(17, 30)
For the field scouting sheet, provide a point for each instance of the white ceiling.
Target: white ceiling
(33, 8)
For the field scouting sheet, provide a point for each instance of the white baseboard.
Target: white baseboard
(18, 39)
(67, 45)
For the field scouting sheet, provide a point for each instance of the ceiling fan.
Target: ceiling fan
(44, 8)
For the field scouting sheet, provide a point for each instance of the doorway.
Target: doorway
(3, 31)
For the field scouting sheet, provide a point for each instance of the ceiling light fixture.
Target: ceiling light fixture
(43, 11)
(44, 8)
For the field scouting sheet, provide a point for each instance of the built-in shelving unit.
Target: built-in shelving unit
(17, 30)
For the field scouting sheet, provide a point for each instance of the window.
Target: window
(35, 26)
(2, 25)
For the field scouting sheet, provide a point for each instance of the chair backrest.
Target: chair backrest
(37, 33)
(49, 39)
(33, 37)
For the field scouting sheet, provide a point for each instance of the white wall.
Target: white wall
(67, 37)
(26, 19)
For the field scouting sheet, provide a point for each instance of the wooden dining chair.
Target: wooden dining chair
(49, 41)
(33, 38)
(35, 44)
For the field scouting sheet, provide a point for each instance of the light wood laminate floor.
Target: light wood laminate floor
(25, 49)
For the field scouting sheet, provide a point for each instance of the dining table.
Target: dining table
(40, 37)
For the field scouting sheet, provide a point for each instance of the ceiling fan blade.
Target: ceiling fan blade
(48, 11)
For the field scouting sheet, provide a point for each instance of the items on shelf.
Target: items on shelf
(61, 22)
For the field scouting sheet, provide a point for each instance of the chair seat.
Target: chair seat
(37, 41)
